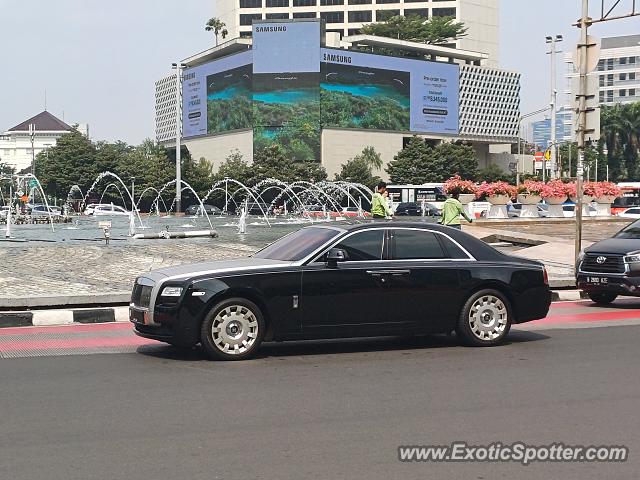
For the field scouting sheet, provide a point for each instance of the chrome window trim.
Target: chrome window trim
(313, 258)
(436, 232)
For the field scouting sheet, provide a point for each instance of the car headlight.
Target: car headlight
(632, 258)
(581, 256)
(171, 292)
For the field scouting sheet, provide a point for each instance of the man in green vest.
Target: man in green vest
(451, 211)
(379, 205)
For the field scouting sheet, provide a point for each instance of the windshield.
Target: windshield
(297, 245)
(630, 231)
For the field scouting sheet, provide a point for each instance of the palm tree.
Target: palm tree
(216, 26)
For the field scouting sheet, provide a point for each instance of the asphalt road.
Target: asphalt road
(328, 410)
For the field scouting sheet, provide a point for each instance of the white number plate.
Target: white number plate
(599, 280)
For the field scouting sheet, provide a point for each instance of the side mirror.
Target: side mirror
(336, 255)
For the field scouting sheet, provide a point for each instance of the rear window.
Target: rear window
(416, 244)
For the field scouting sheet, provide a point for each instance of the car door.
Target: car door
(348, 299)
(425, 290)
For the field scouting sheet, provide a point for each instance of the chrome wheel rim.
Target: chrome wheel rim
(234, 329)
(488, 318)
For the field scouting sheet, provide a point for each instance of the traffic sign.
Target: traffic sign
(33, 183)
(539, 156)
(547, 155)
(593, 54)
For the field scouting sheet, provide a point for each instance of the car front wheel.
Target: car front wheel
(602, 298)
(233, 330)
(485, 319)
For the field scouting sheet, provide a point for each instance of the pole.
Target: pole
(582, 123)
(32, 134)
(7, 232)
(554, 97)
(519, 151)
(178, 135)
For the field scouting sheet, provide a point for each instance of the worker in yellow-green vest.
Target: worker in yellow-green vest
(379, 205)
(451, 211)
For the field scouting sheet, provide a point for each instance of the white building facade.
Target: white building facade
(19, 145)
(347, 17)
(617, 74)
(166, 115)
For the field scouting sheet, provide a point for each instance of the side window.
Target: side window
(453, 249)
(416, 244)
(363, 246)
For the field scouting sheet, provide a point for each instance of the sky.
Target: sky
(98, 61)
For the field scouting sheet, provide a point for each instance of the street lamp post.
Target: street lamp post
(554, 99)
(178, 68)
(32, 137)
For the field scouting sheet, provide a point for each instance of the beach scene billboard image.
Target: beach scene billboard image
(278, 98)
(364, 97)
(229, 100)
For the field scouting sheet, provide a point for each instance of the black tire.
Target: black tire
(488, 304)
(240, 329)
(602, 298)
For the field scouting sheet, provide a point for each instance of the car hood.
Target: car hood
(181, 272)
(618, 246)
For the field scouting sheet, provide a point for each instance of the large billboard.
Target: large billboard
(217, 96)
(360, 90)
(286, 88)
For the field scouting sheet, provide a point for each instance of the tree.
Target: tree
(493, 173)
(410, 164)
(370, 157)
(359, 168)
(418, 163)
(216, 26)
(271, 162)
(435, 30)
(236, 167)
(451, 159)
(72, 161)
(6, 169)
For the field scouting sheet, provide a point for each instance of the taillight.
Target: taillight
(545, 275)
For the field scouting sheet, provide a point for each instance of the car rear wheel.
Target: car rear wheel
(602, 298)
(233, 330)
(485, 319)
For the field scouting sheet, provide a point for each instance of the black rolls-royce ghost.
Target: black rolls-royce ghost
(373, 279)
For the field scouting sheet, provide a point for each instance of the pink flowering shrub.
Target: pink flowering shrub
(531, 187)
(609, 189)
(558, 189)
(496, 188)
(457, 185)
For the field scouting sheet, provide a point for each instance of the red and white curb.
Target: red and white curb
(69, 316)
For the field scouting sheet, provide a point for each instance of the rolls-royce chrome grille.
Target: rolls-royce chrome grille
(141, 295)
(603, 263)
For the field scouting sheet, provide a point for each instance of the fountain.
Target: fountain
(292, 202)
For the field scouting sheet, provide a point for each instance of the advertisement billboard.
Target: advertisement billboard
(360, 90)
(286, 88)
(217, 96)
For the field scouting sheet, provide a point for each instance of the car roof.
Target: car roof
(479, 249)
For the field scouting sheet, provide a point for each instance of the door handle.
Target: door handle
(377, 273)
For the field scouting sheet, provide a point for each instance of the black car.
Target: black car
(196, 209)
(611, 267)
(414, 209)
(360, 280)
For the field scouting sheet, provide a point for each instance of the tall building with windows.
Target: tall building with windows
(347, 17)
(618, 71)
(542, 129)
